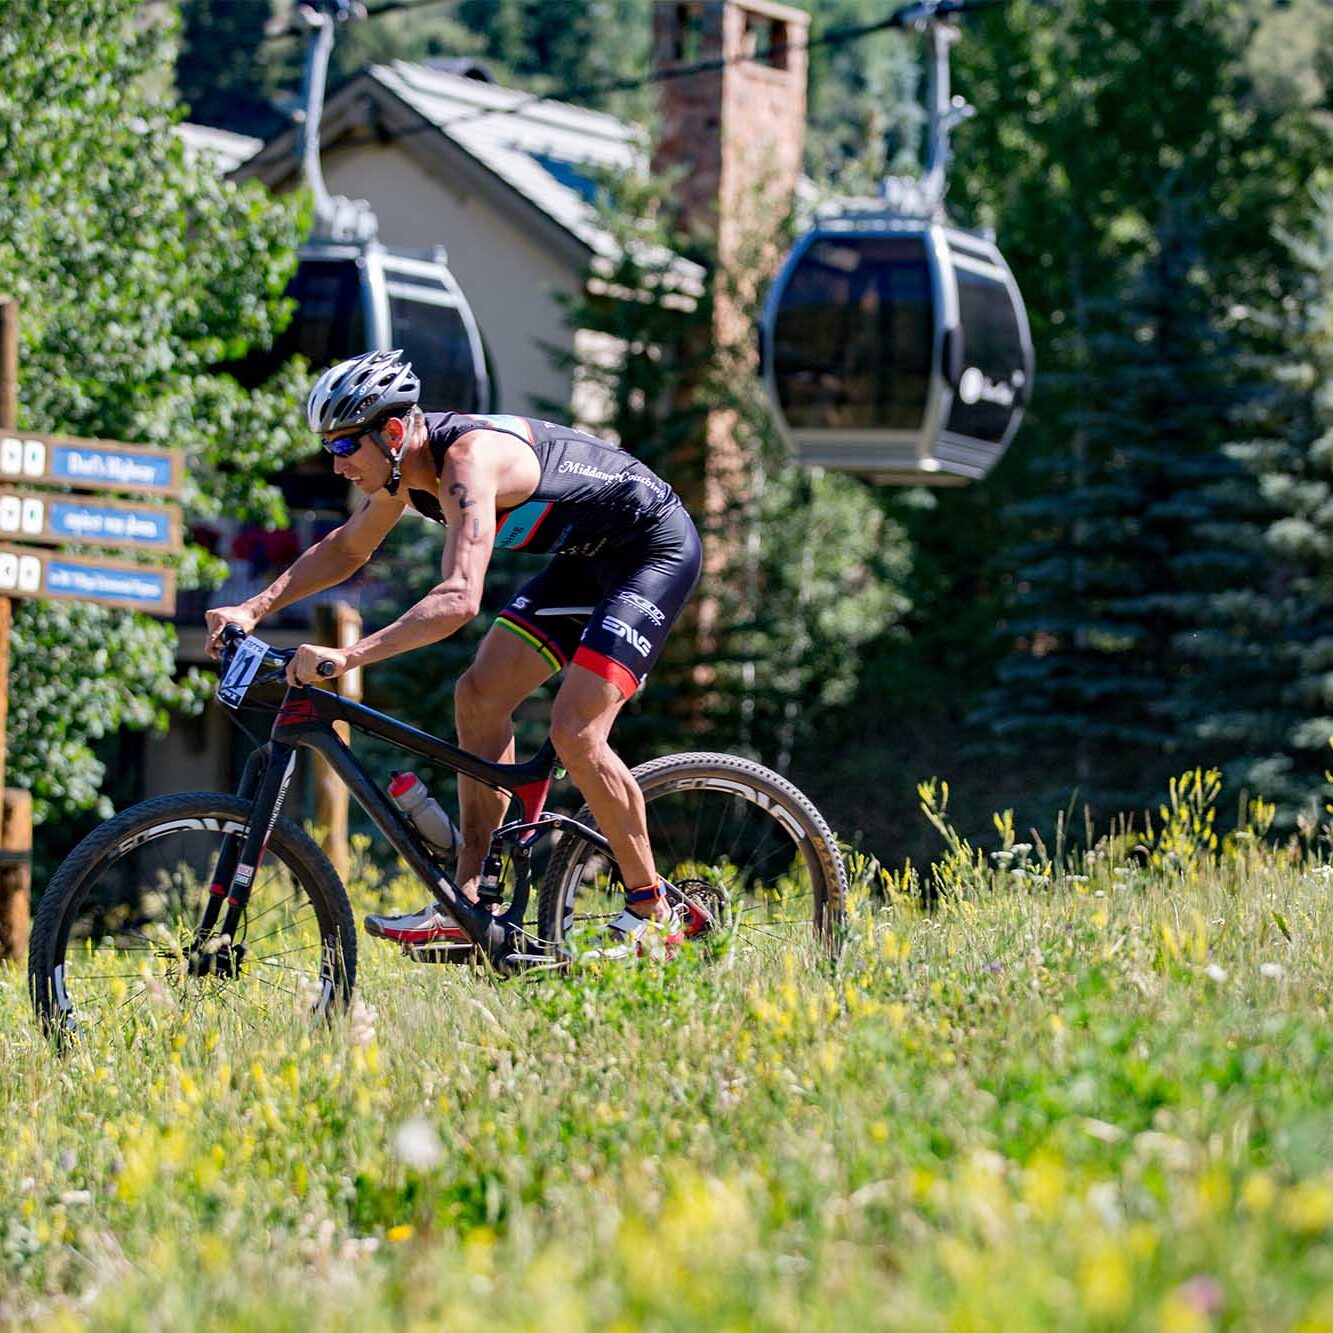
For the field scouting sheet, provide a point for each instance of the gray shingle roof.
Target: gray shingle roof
(549, 151)
(227, 150)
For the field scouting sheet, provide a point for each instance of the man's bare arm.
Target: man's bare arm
(467, 497)
(331, 560)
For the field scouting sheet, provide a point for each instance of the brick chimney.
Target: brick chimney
(738, 131)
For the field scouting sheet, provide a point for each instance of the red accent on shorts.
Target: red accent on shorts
(608, 668)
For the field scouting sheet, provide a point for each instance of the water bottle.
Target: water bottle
(410, 795)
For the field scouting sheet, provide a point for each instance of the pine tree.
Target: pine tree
(1141, 228)
(1285, 638)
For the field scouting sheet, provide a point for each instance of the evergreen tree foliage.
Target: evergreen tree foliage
(222, 65)
(1135, 224)
(1287, 641)
(136, 271)
(865, 114)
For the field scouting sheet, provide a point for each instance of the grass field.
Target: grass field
(1096, 1100)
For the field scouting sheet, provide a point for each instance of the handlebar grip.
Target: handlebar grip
(325, 669)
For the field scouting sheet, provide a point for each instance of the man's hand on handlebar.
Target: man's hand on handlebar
(314, 663)
(219, 618)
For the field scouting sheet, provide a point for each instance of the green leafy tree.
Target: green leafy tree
(1136, 225)
(865, 114)
(137, 270)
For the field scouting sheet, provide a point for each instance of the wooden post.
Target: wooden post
(9, 412)
(16, 820)
(338, 624)
(15, 874)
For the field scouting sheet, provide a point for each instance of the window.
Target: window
(854, 336)
(994, 371)
(434, 338)
(328, 324)
(689, 33)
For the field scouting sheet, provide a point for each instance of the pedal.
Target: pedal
(529, 961)
(446, 951)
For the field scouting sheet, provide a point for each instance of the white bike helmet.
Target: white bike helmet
(362, 392)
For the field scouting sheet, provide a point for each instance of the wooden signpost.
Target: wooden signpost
(54, 493)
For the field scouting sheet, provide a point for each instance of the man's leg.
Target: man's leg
(581, 721)
(505, 671)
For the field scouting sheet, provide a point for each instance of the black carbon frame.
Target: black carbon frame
(306, 718)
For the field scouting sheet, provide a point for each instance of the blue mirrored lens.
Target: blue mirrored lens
(343, 447)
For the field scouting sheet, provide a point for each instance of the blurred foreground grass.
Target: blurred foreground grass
(1068, 1101)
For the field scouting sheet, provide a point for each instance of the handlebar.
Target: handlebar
(233, 636)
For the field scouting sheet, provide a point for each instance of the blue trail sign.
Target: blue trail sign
(51, 517)
(29, 572)
(100, 465)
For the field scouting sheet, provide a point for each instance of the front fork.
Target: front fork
(264, 782)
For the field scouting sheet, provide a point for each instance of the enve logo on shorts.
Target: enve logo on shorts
(629, 634)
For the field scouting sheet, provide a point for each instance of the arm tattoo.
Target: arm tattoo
(476, 528)
(458, 489)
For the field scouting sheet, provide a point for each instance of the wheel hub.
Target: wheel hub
(223, 961)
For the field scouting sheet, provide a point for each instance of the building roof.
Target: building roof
(550, 152)
(227, 150)
(534, 154)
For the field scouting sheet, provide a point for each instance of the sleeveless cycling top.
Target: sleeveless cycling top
(592, 496)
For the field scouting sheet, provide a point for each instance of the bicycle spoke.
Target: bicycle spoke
(129, 943)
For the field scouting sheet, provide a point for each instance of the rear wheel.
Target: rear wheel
(115, 932)
(742, 845)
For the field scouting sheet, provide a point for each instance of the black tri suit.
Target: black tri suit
(620, 539)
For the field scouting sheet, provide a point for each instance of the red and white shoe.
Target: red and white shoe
(413, 930)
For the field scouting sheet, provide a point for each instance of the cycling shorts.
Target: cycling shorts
(636, 593)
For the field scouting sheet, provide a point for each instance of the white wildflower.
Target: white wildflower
(361, 1024)
(1104, 1201)
(309, 992)
(1272, 970)
(415, 1144)
(1215, 973)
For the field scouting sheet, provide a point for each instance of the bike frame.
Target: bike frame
(306, 719)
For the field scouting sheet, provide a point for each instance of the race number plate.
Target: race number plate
(242, 671)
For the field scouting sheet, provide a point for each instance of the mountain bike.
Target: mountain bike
(219, 894)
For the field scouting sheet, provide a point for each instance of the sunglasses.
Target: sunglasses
(342, 446)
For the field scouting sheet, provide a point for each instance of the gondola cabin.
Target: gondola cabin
(351, 298)
(897, 349)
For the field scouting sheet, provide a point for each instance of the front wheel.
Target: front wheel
(737, 840)
(117, 929)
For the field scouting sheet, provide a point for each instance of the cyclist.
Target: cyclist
(621, 542)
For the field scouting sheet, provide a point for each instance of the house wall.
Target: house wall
(509, 280)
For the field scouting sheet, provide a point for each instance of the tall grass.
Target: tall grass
(1083, 1093)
